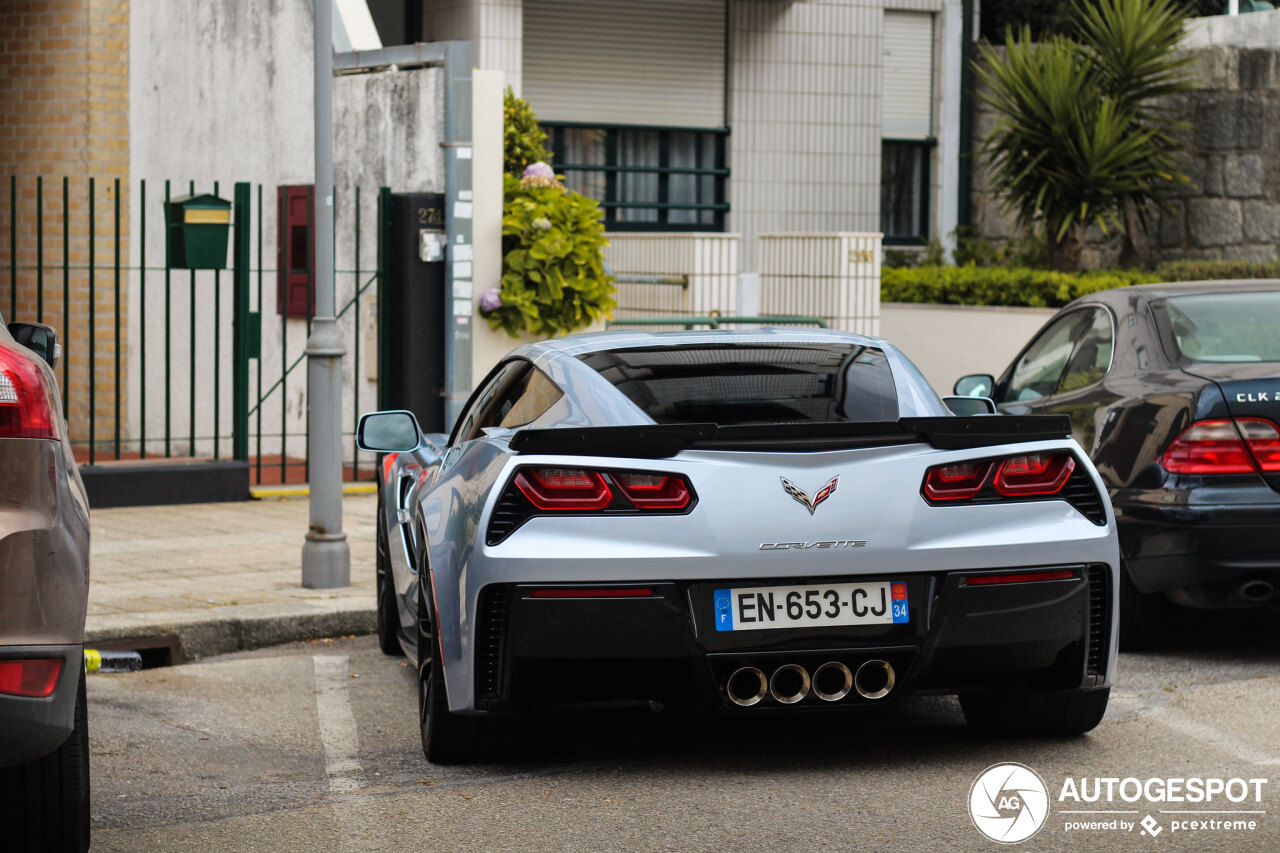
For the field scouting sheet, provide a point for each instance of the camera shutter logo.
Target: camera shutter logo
(1008, 803)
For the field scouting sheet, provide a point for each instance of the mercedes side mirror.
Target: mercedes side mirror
(39, 338)
(388, 432)
(975, 385)
(968, 406)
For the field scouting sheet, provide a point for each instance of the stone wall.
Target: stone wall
(1231, 209)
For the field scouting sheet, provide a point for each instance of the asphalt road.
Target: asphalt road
(315, 746)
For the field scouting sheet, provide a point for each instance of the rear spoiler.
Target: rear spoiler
(661, 441)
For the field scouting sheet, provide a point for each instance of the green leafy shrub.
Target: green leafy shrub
(1016, 286)
(553, 276)
(523, 141)
(1211, 270)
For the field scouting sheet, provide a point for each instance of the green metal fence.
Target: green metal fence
(153, 354)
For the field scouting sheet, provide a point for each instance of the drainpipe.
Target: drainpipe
(968, 35)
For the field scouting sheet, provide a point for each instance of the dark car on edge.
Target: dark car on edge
(44, 594)
(1174, 390)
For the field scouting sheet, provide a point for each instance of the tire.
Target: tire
(1019, 713)
(447, 738)
(1142, 617)
(388, 616)
(46, 802)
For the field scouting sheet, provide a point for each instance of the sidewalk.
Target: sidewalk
(223, 577)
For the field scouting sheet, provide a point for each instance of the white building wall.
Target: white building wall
(496, 27)
(221, 91)
(804, 109)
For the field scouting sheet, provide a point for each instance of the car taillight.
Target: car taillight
(1263, 439)
(564, 489)
(652, 491)
(546, 490)
(1224, 446)
(1034, 474)
(25, 408)
(32, 678)
(955, 482)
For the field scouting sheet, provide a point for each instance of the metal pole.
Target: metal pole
(326, 557)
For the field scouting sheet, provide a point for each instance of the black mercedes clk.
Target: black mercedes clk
(1174, 389)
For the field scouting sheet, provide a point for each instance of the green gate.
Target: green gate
(169, 363)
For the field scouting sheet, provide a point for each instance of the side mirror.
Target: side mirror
(388, 432)
(969, 406)
(39, 338)
(975, 385)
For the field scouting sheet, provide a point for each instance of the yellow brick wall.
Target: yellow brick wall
(64, 112)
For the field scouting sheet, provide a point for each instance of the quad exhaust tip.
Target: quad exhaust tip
(746, 686)
(874, 679)
(832, 681)
(1256, 591)
(789, 683)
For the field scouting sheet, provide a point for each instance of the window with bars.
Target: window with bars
(645, 178)
(904, 192)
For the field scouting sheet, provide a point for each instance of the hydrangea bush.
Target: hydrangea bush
(553, 275)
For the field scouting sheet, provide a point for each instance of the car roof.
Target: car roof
(1164, 290)
(577, 345)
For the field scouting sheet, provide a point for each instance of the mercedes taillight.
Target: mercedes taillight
(1225, 446)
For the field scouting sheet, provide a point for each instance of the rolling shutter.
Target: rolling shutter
(908, 76)
(646, 62)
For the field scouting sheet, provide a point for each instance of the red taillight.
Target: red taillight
(653, 491)
(592, 592)
(25, 408)
(1033, 474)
(32, 678)
(564, 489)
(955, 482)
(1021, 577)
(1263, 440)
(1224, 446)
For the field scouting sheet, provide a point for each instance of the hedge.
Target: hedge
(1207, 270)
(970, 285)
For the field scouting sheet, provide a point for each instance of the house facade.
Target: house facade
(743, 116)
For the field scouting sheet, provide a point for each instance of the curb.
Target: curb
(208, 633)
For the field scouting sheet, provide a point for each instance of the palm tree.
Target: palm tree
(1083, 136)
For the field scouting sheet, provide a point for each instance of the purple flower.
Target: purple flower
(539, 170)
(491, 301)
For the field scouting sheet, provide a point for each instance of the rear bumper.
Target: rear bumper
(1200, 554)
(32, 728)
(1046, 635)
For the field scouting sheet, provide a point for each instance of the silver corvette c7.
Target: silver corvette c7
(740, 523)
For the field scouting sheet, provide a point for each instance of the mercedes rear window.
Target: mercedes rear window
(1221, 327)
(757, 383)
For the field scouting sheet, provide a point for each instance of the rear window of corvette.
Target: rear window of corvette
(755, 383)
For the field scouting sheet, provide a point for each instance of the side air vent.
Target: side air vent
(491, 629)
(1099, 619)
(1083, 495)
(513, 510)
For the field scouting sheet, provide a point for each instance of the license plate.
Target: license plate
(817, 606)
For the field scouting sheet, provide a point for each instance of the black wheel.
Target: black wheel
(46, 802)
(1019, 713)
(388, 616)
(447, 738)
(1142, 617)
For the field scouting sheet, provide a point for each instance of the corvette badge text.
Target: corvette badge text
(1010, 803)
(823, 545)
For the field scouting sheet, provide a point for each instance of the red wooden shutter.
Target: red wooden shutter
(295, 254)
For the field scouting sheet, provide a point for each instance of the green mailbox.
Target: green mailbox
(196, 230)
